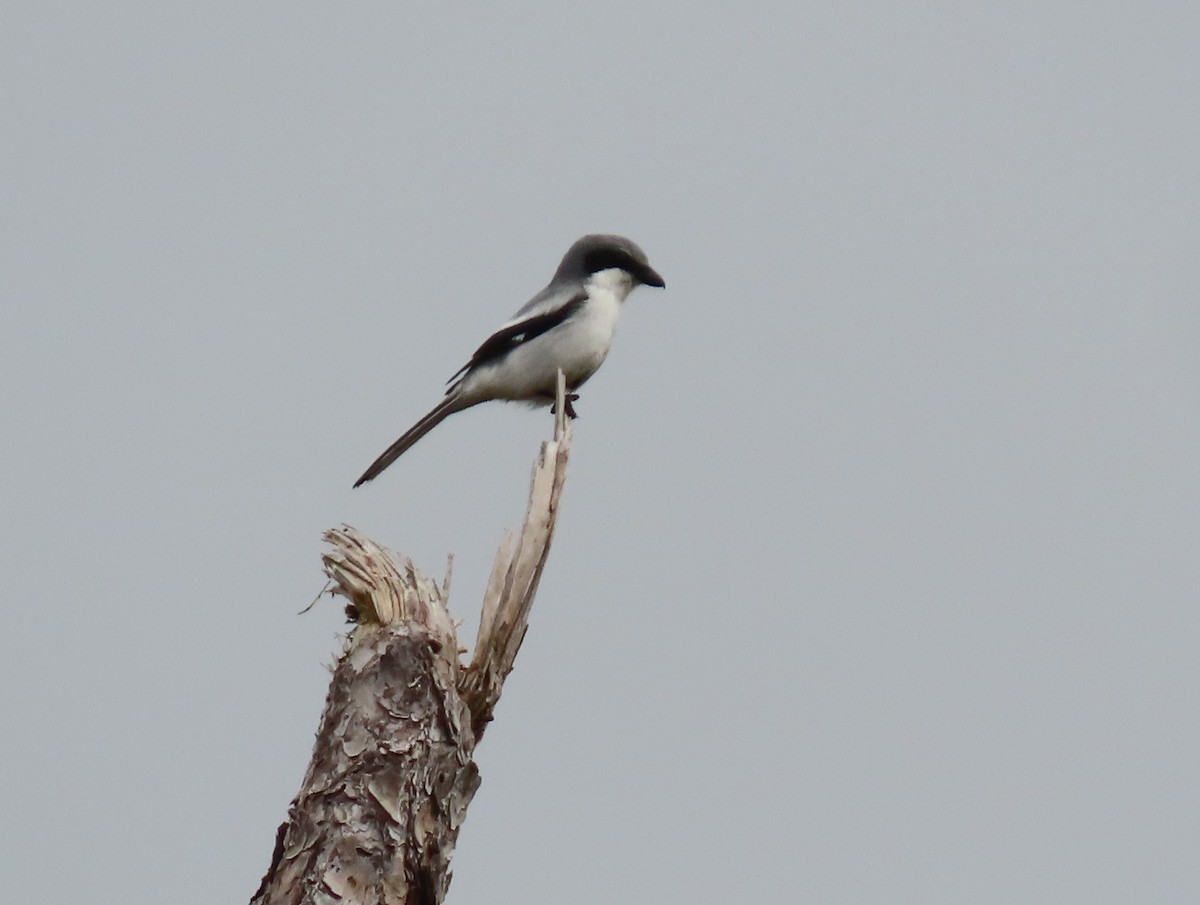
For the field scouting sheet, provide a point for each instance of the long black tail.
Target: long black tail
(444, 409)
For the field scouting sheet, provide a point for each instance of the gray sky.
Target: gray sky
(876, 579)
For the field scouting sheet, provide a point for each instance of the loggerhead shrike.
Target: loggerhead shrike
(568, 325)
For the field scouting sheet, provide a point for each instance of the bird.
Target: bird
(569, 325)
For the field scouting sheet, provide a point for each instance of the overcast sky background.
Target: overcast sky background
(877, 574)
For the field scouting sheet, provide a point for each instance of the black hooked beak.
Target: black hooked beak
(648, 276)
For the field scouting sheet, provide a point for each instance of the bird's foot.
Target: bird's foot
(568, 406)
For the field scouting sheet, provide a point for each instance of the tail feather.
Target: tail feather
(444, 409)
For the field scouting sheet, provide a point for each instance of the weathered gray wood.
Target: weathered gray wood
(508, 599)
(392, 771)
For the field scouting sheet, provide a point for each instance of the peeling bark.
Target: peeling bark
(392, 771)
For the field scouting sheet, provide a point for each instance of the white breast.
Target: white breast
(578, 346)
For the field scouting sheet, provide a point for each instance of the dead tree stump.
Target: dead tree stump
(392, 771)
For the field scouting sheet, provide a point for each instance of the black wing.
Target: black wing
(508, 338)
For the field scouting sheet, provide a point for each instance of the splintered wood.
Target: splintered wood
(392, 770)
(513, 583)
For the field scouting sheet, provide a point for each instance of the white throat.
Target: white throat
(613, 280)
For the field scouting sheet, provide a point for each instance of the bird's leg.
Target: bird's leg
(567, 406)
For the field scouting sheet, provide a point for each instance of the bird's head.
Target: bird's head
(598, 252)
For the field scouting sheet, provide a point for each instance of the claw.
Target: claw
(569, 408)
